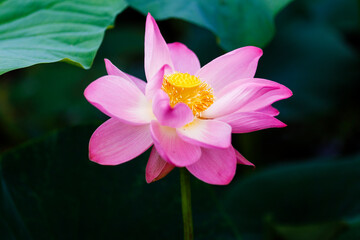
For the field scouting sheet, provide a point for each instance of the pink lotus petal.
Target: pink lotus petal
(176, 116)
(241, 160)
(156, 82)
(156, 51)
(206, 133)
(238, 95)
(138, 82)
(115, 142)
(268, 98)
(269, 110)
(117, 97)
(215, 166)
(171, 147)
(244, 122)
(113, 70)
(183, 58)
(156, 168)
(235, 65)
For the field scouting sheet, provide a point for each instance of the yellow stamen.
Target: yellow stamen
(188, 89)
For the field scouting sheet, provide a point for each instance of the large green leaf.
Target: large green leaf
(37, 31)
(33, 102)
(237, 23)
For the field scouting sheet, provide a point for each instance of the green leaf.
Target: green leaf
(237, 23)
(37, 31)
(33, 105)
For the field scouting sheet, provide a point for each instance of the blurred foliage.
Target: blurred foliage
(313, 200)
(50, 190)
(315, 50)
(254, 20)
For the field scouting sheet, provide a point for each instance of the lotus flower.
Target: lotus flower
(185, 111)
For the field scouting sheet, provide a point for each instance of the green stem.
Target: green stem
(186, 204)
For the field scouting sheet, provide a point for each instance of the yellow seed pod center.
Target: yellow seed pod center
(184, 80)
(188, 89)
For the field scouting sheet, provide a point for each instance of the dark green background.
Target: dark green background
(307, 181)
